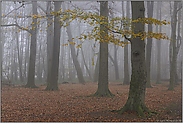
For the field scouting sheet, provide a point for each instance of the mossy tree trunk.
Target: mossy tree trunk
(103, 89)
(32, 60)
(136, 98)
(52, 84)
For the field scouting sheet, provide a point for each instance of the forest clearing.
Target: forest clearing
(71, 104)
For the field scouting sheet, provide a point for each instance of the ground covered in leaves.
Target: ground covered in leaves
(71, 104)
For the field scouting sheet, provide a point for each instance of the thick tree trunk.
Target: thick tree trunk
(136, 98)
(32, 60)
(103, 89)
(150, 5)
(52, 84)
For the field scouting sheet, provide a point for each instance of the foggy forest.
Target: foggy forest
(91, 61)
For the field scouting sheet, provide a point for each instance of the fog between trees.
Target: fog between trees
(82, 63)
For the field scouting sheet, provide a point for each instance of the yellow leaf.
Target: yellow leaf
(92, 59)
(73, 43)
(93, 63)
(70, 42)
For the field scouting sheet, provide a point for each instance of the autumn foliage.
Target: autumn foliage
(116, 27)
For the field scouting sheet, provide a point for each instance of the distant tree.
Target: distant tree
(158, 42)
(173, 45)
(74, 56)
(150, 5)
(178, 40)
(95, 76)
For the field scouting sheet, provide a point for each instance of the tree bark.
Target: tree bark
(52, 84)
(173, 58)
(32, 60)
(126, 65)
(136, 98)
(49, 40)
(103, 89)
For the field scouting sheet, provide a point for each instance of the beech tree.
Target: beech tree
(53, 74)
(32, 59)
(136, 98)
(103, 89)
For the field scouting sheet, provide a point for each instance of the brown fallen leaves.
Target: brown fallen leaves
(70, 104)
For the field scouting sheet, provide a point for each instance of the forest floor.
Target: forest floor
(70, 104)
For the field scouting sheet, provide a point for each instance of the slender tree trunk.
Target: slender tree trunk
(126, 65)
(158, 45)
(150, 5)
(32, 60)
(75, 61)
(62, 57)
(85, 64)
(103, 89)
(178, 42)
(95, 76)
(74, 56)
(52, 84)
(116, 63)
(173, 60)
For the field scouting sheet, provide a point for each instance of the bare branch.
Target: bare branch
(22, 28)
(14, 10)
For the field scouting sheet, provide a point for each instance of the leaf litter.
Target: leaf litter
(70, 103)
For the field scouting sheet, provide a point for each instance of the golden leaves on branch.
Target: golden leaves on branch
(116, 27)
